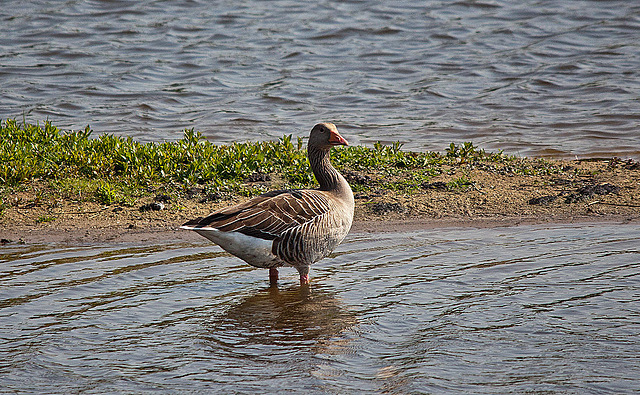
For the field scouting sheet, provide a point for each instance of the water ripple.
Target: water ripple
(528, 80)
(542, 309)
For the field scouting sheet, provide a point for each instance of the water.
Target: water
(546, 78)
(542, 309)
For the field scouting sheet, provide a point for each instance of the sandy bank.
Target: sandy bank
(582, 192)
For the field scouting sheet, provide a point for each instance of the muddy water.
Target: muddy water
(542, 309)
(546, 78)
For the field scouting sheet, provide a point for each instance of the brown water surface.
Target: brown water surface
(547, 78)
(553, 309)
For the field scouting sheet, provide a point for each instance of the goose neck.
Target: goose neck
(327, 176)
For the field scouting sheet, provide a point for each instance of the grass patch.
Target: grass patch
(45, 218)
(108, 193)
(459, 183)
(115, 170)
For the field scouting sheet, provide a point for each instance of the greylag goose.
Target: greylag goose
(294, 227)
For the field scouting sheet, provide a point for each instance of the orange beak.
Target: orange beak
(336, 139)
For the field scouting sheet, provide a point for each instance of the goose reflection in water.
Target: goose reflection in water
(296, 315)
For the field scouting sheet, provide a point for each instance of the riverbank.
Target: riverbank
(587, 191)
(69, 188)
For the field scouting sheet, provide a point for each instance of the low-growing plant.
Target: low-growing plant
(118, 170)
(107, 194)
(45, 218)
(459, 183)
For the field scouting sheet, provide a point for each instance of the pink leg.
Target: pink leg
(273, 276)
(304, 274)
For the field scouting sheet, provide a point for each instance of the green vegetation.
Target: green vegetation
(116, 170)
(45, 218)
(29, 152)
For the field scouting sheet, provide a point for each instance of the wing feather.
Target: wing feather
(269, 215)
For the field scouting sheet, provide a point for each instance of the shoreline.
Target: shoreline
(171, 234)
(586, 192)
(65, 187)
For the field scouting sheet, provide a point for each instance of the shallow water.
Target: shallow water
(541, 309)
(545, 78)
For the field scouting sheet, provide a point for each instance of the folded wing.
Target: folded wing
(267, 216)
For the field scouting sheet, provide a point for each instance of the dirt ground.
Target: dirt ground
(588, 191)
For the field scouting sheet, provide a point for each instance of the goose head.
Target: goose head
(324, 136)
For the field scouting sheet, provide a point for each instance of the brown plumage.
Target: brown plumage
(289, 227)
